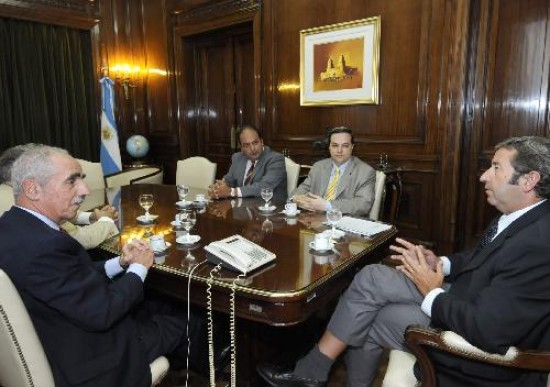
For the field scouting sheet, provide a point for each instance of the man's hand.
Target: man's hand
(429, 255)
(108, 211)
(137, 251)
(219, 190)
(419, 271)
(311, 202)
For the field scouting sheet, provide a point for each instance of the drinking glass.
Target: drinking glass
(333, 217)
(146, 202)
(183, 190)
(267, 194)
(188, 220)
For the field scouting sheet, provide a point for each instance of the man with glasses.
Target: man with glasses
(255, 167)
(341, 181)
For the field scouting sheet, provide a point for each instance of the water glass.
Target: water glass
(267, 194)
(183, 190)
(333, 217)
(146, 202)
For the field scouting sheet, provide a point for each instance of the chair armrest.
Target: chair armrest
(418, 337)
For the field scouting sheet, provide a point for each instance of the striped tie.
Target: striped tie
(249, 174)
(333, 185)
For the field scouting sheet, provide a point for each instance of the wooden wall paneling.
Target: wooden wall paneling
(510, 90)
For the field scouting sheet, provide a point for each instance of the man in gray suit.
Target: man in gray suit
(255, 167)
(343, 181)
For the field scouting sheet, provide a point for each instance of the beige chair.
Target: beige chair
(196, 172)
(94, 174)
(400, 368)
(141, 175)
(6, 198)
(292, 175)
(23, 362)
(379, 190)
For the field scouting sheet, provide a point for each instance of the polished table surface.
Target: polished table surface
(283, 293)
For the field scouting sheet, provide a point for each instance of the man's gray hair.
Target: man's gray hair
(7, 159)
(34, 163)
(532, 154)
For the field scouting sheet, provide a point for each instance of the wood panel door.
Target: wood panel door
(224, 91)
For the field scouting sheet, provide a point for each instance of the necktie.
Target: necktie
(489, 235)
(333, 185)
(249, 174)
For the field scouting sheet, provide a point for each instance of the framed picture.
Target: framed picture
(339, 63)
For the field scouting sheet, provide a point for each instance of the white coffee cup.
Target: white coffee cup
(321, 242)
(157, 243)
(200, 198)
(291, 208)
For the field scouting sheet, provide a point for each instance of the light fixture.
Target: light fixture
(127, 76)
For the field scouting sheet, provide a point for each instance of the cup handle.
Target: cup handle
(312, 245)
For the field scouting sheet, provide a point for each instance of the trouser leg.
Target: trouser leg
(373, 288)
(387, 331)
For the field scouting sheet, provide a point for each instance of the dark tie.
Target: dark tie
(489, 234)
(249, 174)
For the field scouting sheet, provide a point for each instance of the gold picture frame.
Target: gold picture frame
(339, 63)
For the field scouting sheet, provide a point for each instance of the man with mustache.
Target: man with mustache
(495, 295)
(93, 327)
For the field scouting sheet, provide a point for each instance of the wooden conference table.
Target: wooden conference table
(282, 294)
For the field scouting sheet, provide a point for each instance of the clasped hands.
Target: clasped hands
(420, 264)
(219, 190)
(137, 251)
(108, 211)
(310, 202)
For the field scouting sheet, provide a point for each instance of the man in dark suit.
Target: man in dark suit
(255, 167)
(91, 325)
(495, 296)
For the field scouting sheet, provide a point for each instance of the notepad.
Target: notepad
(361, 226)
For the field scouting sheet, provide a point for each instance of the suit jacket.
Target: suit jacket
(81, 316)
(355, 193)
(270, 171)
(499, 296)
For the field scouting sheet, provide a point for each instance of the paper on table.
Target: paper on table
(361, 226)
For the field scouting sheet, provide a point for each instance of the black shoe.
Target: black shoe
(282, 376)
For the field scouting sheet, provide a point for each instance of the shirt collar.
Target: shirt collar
(42, 217)
(342, 167)
(506, 219)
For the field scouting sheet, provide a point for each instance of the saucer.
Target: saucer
(312, 247)
(337, 234)
(150, 219)
(168, 244)
(268, 209)
(184, 241)
(291, 215)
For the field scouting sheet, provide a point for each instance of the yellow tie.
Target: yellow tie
(333, 185)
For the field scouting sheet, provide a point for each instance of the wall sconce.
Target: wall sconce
(128, 76)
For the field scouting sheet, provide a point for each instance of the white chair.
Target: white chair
(292, 175)
(379, 190)
(142, 175)
(399, 372)
(23, 362)
(6, 198)
(94, 174)
(196, 172)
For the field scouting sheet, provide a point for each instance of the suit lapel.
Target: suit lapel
(345, 179)
(523, 221)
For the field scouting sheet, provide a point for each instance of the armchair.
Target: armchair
(419, 337)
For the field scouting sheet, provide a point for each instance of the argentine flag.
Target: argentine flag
(109, 154)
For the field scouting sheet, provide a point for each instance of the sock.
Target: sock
(315, 365)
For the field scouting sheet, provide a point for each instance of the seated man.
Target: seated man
(498, 294)
(343, 181)
(93, 329)
(255, 167)
(97, 226)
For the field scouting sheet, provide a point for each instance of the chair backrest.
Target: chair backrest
(142, 175)
(23, 362)
(6, 198)
(196, 172)
(94, 174)
(292, 175)
(379, 190)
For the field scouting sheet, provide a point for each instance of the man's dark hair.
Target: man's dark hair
(340, 129)
(248, 127)
(532, 154)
